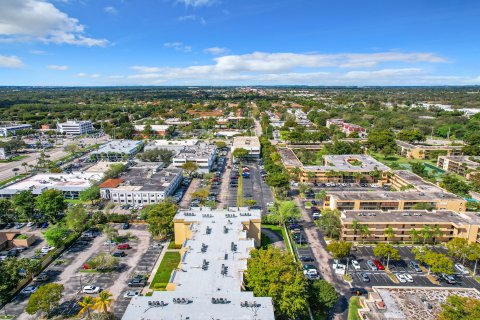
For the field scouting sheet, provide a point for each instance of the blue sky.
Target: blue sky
(247, 42)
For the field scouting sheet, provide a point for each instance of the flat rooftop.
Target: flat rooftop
(101, 166)
(289, 158)
(392, 196)
(215, 231)
(349, 163)
(200, 151)
(414, 216)
(146, 179)
(428, 146)
(417, 181)
(170, 144)
(246, 142)
(119, 146)
(464, 159)
(75, 181)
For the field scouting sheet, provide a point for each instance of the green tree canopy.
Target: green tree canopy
(51, 203)
(460, 308)
(76, 218)
(90, 194)
(190, 167)
(284, 210)
(339, 249)
(45, 299)
(160, 217)
(322, 297)
(56, 235)
(240, 153)
(24, 204)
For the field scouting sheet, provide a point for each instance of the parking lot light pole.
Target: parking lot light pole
(348, 260)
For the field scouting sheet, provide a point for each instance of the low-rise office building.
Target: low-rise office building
(141, 185)
(11, 129)
(203, 154)
(350, 168)
(444, 225)
(468, 167)
(117, 150)
(427, 151)
(70, 184)
(249, 143)
(72, 127)
(159, 129)
(208, 282)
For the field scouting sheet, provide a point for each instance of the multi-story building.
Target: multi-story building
(350, 168)
(208, 282)
(4, 154)
(347, 128)
(468, 167)
(141, 186)
(397, 225)
(11, 129)
(117, 150)
(249, 143)
(159, 129)
(426, 151)
(73, 127)
(203, 154)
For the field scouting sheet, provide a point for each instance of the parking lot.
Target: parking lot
(67, 270)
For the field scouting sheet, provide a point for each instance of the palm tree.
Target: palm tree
(365, 232)
(389, 233)
(87, 304)
(414, 235)
(436, 232)
(25, 166)
(426, 233)
(356, 226)
(103, 301)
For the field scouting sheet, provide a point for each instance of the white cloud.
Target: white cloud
(29, 20)
(216, 50)
(143, 69)
(179, 46)
(111, 10)
(56, 67)
(10, 62)
(191, 17)
(197, 3)
(38, 52)
(87, 75)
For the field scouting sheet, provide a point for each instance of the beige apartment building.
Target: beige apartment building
(468, 167)
(426, 151)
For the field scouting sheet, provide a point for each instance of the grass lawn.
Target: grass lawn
(77, 201)
(280, 231)
(169, 262)
(265, 241)
(16, 158)
(353, 307)
(17, 177)
(172, 245)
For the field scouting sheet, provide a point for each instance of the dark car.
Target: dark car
(306, 259)
(9, 225)
(293, 226)
(358, 291)
(138, 281)
(119, 254)
(126, 226)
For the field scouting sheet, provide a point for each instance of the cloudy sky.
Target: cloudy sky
(239, 42)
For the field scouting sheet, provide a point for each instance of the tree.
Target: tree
(147, 130)
(154, 155)
(385, 250)
(321, 195)
(90, 194)
(30, 266)
(330, 222)
(220, 144)
(240, 153)
(389, 233)
(426, 233)
(88, 304)
(273, 273)
(460, 308)
(458, 248)
(51, 203)
(104, 301)
(365, 232)
(283, 211)
(7, 213)
(413, 135)
(437, 262)
(111, 232)
(103, 262)
(160, 217)
(455, 185)
(382, 141)
(322, 297)
(473, 254)
(24, 203)
(56, 235)
(201, 194)
(250, 202)
(114, 171)
(71, 148)
(25, 166)
(414, 235)
(45, 299)
(76, 218)
(9, 277)
(339, 249)
(190, 167)
(423, 206)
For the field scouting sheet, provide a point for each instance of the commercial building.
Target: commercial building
(347, 128)
(249, 143)
(427, 151)
(159, 129)
(4, 154)
(72, 127)
(203, 154)
(350, 168)
(117, 150)
(208, 281)
(444, 225)
(468, 167)
(71, 184)
(11, 129)
(142, 185)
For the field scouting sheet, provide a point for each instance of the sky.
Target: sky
(239, 42)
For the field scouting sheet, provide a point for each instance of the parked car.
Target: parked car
(449, 279)
(28, 290)
(46, 249)
(110, 243)
(414, 265)
(138, 281)
(401, 277)
(42, 277)
(123, 246)
(91, 289)
(126, 226)
(306, 259)
(356, 265)
(379, 265)
(131, 294)
(119, 254)
(409, 277)
(364, 277)
(372, 265)
(358, 291)
(309, 266)
(311, 274)
(461, 268)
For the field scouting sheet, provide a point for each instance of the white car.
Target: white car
(91, 289)
(311, 274)
(110, 243)
(356, 265)
(131, 294)
(29, 290)
(408, 277)
(47, 249)
(401, 277)
(30, 224)
(461, 268)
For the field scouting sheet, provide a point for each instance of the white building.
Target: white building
(72, 127)
(117, 150)
(203, 154)
(209, 280)
(10, 130)
(141, 185)
(4, 154)
(251, 144)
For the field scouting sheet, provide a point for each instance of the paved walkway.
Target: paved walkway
(275, 239)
